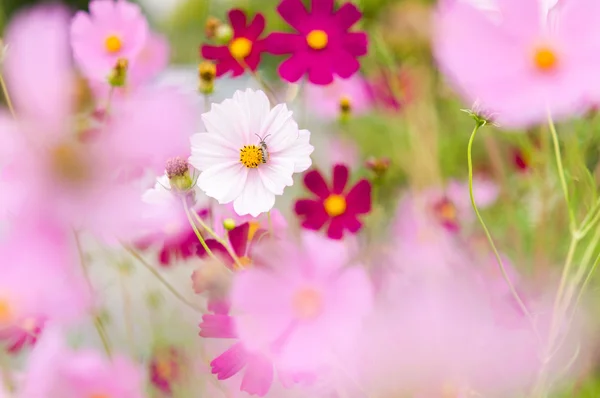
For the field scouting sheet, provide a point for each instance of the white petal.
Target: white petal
(277, 174)
(280, 128)
(299, 152)
(224, 182)
(212, 149)
(227, 119)
(255, 107)
(255, 198)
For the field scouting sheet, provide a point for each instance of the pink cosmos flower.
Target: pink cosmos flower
(245, 48)
(167, 368)
(300, 306)
(39, 283)
(56, 371)
(334, 205)
(258, 369)
(545, 66)
(113, 30)
(323, 46)
(326, 101)
(80, 180)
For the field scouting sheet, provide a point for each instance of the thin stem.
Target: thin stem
(11, 108)
(160, 278)
(489, 236)
(196, 231)
(7, 378)
(561, 172)
(216, 237)
(96, 320)
(270, 221)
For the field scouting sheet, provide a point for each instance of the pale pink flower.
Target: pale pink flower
(249, 152)
(57, 371)
(301, 306)
(544, 67)
(113, 30)
(326, 101)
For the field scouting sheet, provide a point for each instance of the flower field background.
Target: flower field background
(289, 198)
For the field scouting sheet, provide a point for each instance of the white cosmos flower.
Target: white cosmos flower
(230, 155)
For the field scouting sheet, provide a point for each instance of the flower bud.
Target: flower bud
(178, 171)
(229, 224)
(207, 72)
(345, 108)
(212, 24)
(379, 166)
(118, 76)
(223, 34)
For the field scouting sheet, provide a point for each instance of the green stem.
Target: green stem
(561, 172)
(218, 239)
(489, 236)
(11, 108)
(96, 320)
(160, 278)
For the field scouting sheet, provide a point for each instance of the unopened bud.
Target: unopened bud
(207, 72)
(379, 166)
(223, 34)
(229, 224)
(178, 171)
(212, 24)
(118, 76)
(345, 108)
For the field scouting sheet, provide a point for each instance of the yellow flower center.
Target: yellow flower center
(68, 163)
(317, 39)
(447, 211)
(164, 368)
(99, 396)
(307, 303)
(545, 59)
(251, 156)
(6, 312)
(335, 205)
(113, 44)
(345, 104)
(240, 48)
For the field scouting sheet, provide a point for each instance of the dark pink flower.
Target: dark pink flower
(241, 240)
(244, 49)
(22, 335)
(334, 205)
(166, 368)
(322, 47)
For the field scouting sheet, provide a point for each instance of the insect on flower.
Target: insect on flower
(263, 148)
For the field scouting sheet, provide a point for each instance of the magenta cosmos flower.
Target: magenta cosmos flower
(322, 47)
(334, 205)
(112, 30)
(519, 63)
(244, 49)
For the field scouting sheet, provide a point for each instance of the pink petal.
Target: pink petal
(40, 93)
(336, 228)
(345, 65)
(256, 27)
(359, 198)
(284, 43)
(293, 68)
(321, 68)
(340, 178)
(258, 376)
(230, 362)
(217, 326)
(356, 43)
(238, 21)
(312, 212)
(294, 13)
(214, 52)
(347, 15)
(238, 237)
(322, 7)
(314, 181)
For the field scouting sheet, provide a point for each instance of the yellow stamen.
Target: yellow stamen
(240, 48)
(113, 44)
(251, 156)
(252, 228)
(545, 59)
(164, 368)
(245, 261)
(447, 211)
(335, 205)
(317, 39)
(307, 303)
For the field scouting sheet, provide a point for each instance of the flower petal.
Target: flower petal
(313, 213)
(359, 198)
(293, 68)
(214, 52)
(299, 152)
(294, 13)
(356, 43)
(230, 362)
(321, 69)
(255, 198)
(217, 326)
(211, 149)
(322, 7)
(284, 43)
(256, 27)
(224, 182)
(344, 64)
(340, 178)
(258, 376)
(314, 181)
(254, 107)
(347, 15)
(238, 237)
(220, 120)
(279, 129)
(238, 21)
(336, 228)
(277, 174)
